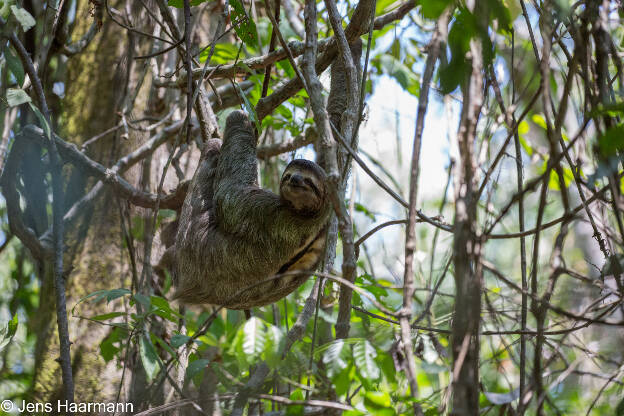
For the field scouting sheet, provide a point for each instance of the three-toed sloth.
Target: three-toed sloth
(233, 234)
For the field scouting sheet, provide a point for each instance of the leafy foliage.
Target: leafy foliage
(366, 371)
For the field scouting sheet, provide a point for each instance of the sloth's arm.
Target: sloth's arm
(238, 165)
(242, 209)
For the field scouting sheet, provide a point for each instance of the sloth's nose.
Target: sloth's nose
(297, 180)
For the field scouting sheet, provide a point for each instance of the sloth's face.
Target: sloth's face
(302, 190)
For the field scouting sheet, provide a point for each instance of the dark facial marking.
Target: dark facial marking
(312, 185)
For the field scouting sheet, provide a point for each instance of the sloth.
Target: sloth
(232, 234)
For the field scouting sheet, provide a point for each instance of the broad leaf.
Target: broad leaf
(16, 96)
(14, 65)
(336, 357)
(244, 26)
(23, 17)
(177, 340)
(149, 358)
(364, 354)
(432, 9)
(254, 337)
(196, 367)
(378, 403)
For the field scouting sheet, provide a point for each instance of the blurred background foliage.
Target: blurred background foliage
(134, 345)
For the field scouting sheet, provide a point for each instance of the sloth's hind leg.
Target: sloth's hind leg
(194, 224)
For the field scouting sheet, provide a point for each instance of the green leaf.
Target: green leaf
(223, 53)
(383, 6)
(42, 121)
(523, 127)
(432, 9)
(386, 363)
(15, 65)
(296, 395)
(179, 4)
(5, 9)
(143, 300)
(285, 112)
(526, 146)
(101, 294)
(236, 348)
(116, 293)
(162, 303)
(244, 26)
(196, 367)
(165, 315)
(353, 412)
(7, 332)
(164, 310)
(165, 346)
(209, 339)
(376, 291)
(336, 357)
(553, 180)
(23, 17)
(364, 355)
(361, 208)
(177, 340)
(382, 335)
(378, 399)
(612, 141)
(12, 326)
(107, 348)
(619, 410)
(501, 14)
(149, 358)
(254, 337)
(457, 68)
(406, 78)
(16, 96)
(378, 403)
(612, 109)
(539, 120)
(138, 228)
(242, 65)
(286, 67)
(271, 352)
(106, 316)
(343, 380)
(249, 108)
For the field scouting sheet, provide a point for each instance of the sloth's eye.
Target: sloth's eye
(286, 177)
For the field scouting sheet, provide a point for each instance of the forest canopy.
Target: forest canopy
(473, 261)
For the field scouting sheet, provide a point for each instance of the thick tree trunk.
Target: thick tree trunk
(98, 82)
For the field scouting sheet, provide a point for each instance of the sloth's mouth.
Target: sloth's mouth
(297, 186)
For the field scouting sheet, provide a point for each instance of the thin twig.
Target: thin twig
(437, 38)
